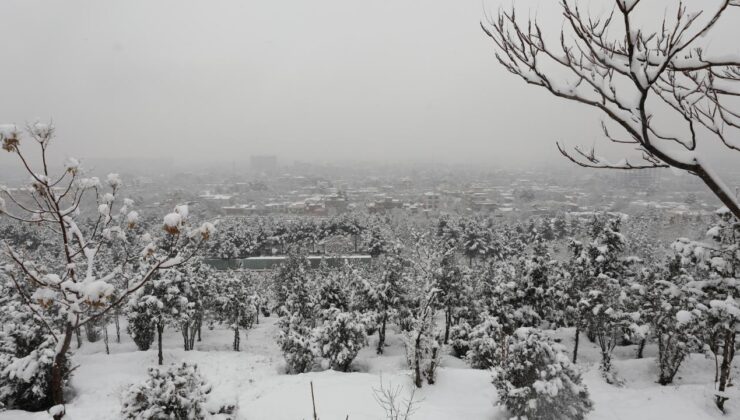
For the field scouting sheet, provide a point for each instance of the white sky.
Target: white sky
(321, 79)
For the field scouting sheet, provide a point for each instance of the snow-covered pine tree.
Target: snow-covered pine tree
(235, 303)
(387, 290)
(485, 343)
(715, 268)
(448, 279)
(175, 392)
(423, 342)
(604, 304)
(142, 312)
(294, 291)
(536, 380)
(26, 353)
(673, 313)
(339, 338)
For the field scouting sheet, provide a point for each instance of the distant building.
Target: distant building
(263, 163)
(431, 201)
(384, 205)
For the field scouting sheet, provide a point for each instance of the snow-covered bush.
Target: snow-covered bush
(386, 292)
(177, 392)
(339, 338)
(25, 376)
(27, 352)
(460, 339)
(235, 304)
(536, 380)
(715, 268)
(485, 342)
(423, 353)
(674, 316)
(295, 342)
(423, 343)
(141, 326)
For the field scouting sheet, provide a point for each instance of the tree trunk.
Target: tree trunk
(448, 321)
(160, 328)
(237, 339)
(641, 348)
(432, 367)
(57, 369)
(724, 374)
(417, 357)
(194, 329)
(118, 325)
(79, 337)
(105, 338)
(184, 331)
(381, 334)
(575, 345)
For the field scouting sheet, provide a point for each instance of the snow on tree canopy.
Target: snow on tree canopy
(684, 317)
(182, 210)
(8, 130)
(172, 223)
(87, 183)
(72, 165)
(96, 291)
(113, 180)
(132, 218)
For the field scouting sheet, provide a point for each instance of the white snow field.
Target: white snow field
(253, 379)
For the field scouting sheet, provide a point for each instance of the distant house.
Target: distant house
(431, 201)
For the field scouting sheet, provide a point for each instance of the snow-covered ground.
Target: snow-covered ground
(253, 379)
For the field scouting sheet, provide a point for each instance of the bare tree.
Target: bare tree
(642, 80)
(79, 287)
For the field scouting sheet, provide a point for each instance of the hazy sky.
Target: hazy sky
(321, 79)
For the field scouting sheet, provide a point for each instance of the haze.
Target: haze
(321, 80)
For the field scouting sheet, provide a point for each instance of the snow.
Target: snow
(684, 317)
(72, 165)
(132, 217)
(96, 291)
(183, 211)
(8, 131)
(172, 220)
(87, 183)
(253, 379)
(113, 180)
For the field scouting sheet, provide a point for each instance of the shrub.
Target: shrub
(25, 376)
(537, 381)
(141, 329)
(460, 339)
(295, 342)
(339, 339)
(485, 340)
(27, 353)
(177, 392)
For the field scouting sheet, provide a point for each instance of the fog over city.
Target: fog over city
(369, 210)
(321, 80)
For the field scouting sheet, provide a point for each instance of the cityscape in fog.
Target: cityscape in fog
(370, 210)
